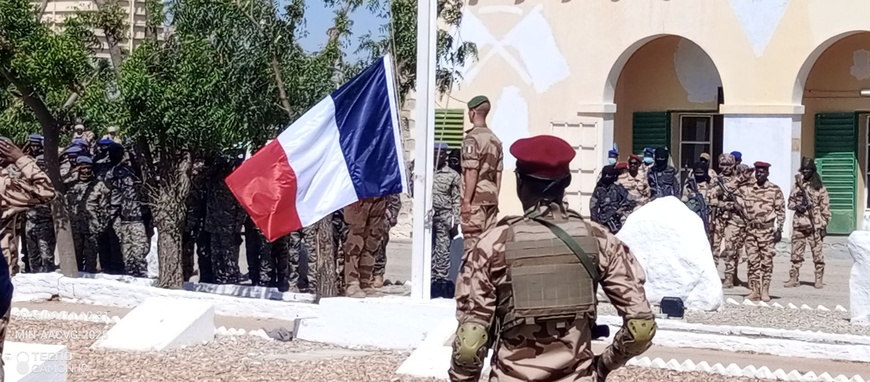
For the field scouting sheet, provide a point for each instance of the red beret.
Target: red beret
(622, 166)
(543, 156)
(761, 164)
(635, 157)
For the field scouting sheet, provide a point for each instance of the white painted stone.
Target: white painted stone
(857, 378)
(806, 307)
(718, 368)
(792, 306)
(733, 370)
(794, 375)
(703, 366)
(27, 362)
(748, 303)
(763, 372)
(161, 324)
(763, 304)
(748, 371)
(823, 309)
(674, 365)
(810, 376)
(777, 305)
(841, 378)
(780, 374)
(826, 377)
(859, 280)
(732, 301)
(644, 362)
(658, 363)
(840, 308)
(670, 244)
(151, 258)
(688, 365)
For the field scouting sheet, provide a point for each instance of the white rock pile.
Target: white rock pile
(859, 280)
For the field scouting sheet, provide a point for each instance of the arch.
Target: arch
(616, 69)
(804, 72)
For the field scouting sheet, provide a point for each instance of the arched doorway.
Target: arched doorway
(835, 124)
(667, 93)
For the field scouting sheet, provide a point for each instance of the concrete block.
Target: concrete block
(160, 324)
(28, 362)
(35, 286)
(381, 322)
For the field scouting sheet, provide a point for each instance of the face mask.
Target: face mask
(647, 160)
(611, 160)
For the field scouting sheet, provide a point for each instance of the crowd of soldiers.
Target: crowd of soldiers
(742, 211)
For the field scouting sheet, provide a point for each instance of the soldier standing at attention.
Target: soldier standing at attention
(635, 182)
(696, 194)
(812, 212)
(664, 179)
(224, 218)
(610, 203)
(705, 160)
(482, 163)
(39, 235)
(445, 203)
(764, 205)
(718, 217)
(546, 340)
(734, 233)
(365, 225)
(127, 219)
(394, 205)
(17, 194)
(88, 198)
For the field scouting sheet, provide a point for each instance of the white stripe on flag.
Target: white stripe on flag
(313, 150)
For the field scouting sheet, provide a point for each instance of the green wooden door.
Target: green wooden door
(650, 129)
(836, 158)
(449, 127)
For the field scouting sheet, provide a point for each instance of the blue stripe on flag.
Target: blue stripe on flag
(365, 128)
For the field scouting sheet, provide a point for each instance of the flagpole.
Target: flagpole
(421, 255)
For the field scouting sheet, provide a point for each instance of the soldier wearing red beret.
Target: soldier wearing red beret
(764, 207)
(548, 339)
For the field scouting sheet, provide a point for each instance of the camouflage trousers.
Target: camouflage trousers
(224, 253)
(204, 258)
(9, 244)
(86, 247)
(441, 245)
(267, 262)
(188, 248)
(380, 267)
(733, 245)
(134, 246)
(760, 248)
(718, 233)
(365, 224)
(40, 241)
(314, 240)
(482, 218)
(799, 241)
(339, 236)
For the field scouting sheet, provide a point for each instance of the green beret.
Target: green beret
(477, 101)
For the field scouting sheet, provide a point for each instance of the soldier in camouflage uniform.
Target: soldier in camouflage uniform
(696, 194)
(33, 148)
(394, 204)
(812, 212)
(482, 164)
(30, 187)
(664, 179)
(635, 182)
(719, 217)
(365, 224)
(194, 217)
(724, 198)
(126, 212)
(445, 203)
(648, 161)
(764, 206)
(267, 261)
(610, 203)
(88, 200)
(548, 340)
(39, 234)
(339, 236)
(315, 240)
(224, 218)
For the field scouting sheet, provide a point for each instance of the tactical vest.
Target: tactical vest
(546, 279)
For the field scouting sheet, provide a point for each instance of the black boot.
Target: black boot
(449, 289)
(437, 289)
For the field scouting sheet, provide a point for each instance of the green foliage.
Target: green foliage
(399, 36)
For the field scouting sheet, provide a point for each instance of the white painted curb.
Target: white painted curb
(777, 305)
(733, 370)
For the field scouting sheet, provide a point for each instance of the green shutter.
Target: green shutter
(836, 158)
(449, 127)
(650, 129)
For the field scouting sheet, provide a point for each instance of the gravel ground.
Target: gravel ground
(245, 358)
(738, 315)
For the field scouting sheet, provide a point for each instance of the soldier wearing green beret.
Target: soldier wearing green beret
(481, 174)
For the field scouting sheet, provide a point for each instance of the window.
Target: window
(696, 137)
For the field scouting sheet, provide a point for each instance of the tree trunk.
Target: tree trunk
(51, 134)
(326, 252)
(170, 218)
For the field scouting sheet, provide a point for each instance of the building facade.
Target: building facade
(773, 79)
(58, 10)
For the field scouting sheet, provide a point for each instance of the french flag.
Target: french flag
(346, 148)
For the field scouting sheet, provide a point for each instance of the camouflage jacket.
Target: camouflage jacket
(637, 187)
(482, 151)
(551, 353)
(703, 188)
(445, 191)
(610, 201)
(394, 206)
(223, 212)
(18, 193)
(126, 196)
(664, 183)
(89, 204)
(819, 216)
(763, 205)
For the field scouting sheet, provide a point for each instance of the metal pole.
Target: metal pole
(421, 255)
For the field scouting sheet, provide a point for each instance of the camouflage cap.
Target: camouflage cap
(477, 101)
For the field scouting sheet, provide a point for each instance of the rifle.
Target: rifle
(807, 203)
(729, 197)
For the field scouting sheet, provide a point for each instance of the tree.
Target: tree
(40, 71)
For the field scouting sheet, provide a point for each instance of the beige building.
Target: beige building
(57, 10)
(773, 79)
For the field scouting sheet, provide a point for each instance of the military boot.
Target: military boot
(819, 275)
(729, 281)
(378, 281)
(765, 291)
(794, 278)
(754, 288)
(353, 290)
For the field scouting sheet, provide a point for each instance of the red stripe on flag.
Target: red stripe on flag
(266, 185)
